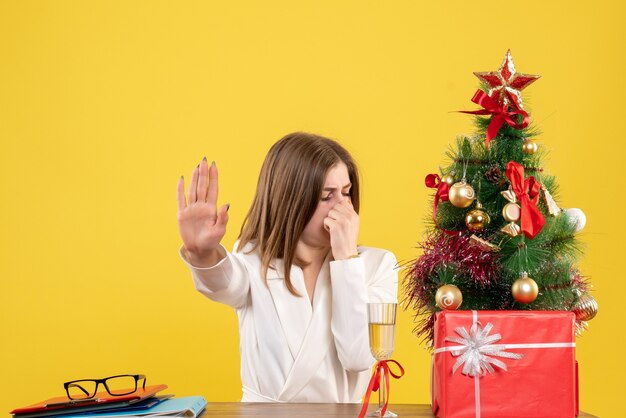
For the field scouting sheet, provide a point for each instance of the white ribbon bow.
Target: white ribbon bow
(475, 351)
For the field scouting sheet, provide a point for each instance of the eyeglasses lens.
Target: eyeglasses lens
(121, 385)
(83, 389)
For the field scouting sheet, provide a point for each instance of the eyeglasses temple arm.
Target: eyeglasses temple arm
(143, 376)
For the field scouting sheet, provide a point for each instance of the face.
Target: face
(336, 189)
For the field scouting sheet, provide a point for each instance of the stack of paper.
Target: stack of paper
(172, 407)
(143, 403)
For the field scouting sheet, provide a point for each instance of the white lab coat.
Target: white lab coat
(292, 351)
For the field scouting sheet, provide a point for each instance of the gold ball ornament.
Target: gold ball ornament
(586, 308)
(448, 178)
(461, 194)
(525, 289)
(448, 297)
(529, 147)
(477, 220)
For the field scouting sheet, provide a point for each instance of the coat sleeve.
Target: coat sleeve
(355, 282)
(226, 282)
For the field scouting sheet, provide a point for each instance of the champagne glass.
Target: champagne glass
(382, 324)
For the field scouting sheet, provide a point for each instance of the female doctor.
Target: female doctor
(296, 277)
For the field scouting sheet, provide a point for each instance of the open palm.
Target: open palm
(202, 226)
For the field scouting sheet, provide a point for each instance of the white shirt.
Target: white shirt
(292, 350)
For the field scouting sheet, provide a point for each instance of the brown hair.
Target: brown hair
(288, 191)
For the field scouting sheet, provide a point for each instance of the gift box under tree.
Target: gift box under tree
(498, 240)
(504, 364)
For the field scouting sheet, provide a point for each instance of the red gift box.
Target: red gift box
(504, 364)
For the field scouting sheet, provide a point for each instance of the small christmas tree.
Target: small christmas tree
(497, 239)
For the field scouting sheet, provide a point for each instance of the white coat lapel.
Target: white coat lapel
(293, 312)
(317, 340)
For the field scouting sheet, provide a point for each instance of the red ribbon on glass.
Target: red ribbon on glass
(500, 114)
(527, 192)
(374, 386)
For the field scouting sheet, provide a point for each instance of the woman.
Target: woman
(296, 278)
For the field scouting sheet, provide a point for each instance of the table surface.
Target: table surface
(339, 410)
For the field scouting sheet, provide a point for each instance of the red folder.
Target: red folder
(102, 400)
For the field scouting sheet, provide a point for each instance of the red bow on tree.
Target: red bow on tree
(434, 182)
(527, 192)
(500, 114)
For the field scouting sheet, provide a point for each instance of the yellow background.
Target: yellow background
(103, 105)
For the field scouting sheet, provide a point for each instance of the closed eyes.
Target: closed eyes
(330, 196)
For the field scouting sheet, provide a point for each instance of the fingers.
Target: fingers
(329, 223)
(203, 186)
(213, 185)
(342, 209)
(180, 194)
(342, 224)
(193, 185)
(201, 191)
(222, 215)
(345, 204)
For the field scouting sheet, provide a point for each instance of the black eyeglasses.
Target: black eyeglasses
(120, 385)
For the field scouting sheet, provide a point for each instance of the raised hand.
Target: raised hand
(342, 223)
(200, 223)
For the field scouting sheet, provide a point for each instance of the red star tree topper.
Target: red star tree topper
(506, 83)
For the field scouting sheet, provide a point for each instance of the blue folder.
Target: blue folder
(189, 407)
